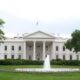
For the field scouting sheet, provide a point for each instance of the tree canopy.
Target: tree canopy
(1, 22)
(74, 42)
(1, 31)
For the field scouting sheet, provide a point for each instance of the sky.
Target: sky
(53, 16)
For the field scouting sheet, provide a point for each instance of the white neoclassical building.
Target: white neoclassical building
(35, 46)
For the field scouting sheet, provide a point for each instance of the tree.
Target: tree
(1, 31)
(74, 42)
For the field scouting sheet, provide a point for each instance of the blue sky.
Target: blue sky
(53, 16)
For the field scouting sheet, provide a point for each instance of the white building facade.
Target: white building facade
(35, 46)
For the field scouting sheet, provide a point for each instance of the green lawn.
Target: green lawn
(12, 67)
(38, 76)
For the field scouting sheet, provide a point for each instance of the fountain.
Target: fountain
(47, 68)
(46, 65)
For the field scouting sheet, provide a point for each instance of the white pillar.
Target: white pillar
(24, 54)
(34, 50)
(44, 50)
(53, 51)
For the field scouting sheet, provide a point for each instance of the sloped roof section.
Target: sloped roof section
(39, 34)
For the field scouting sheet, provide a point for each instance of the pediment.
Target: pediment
(38, 34)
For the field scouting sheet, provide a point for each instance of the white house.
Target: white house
(36, 46)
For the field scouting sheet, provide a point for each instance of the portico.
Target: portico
(38, 44)
(37, 50)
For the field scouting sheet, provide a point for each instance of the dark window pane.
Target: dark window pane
(12, 56)
(12, 47)
(63, 57)
(63, 48)
(19, 48)
(56, 48)
(19, 56)
(29, 57)
(5, 56)
(77, 57)
(70, 57)
(30, 47)
(5, 48)
(57, 57)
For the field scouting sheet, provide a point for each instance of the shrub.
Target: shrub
(65, 62)
(20, 62)
(30, 62)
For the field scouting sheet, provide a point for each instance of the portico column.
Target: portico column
(44, 50)
(34, 50)
(53, 56)
(24, 54)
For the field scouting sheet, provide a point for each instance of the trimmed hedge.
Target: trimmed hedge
(30, 62)
(19, 62)
(65, 62)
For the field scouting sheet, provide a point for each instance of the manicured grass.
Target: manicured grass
(12, 67)
(39, 76)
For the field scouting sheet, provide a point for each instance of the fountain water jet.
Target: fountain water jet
(46, 65)
(47, 68)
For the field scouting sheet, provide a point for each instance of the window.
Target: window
(38, 46)
(63, 57)
(70, 57)
(5, 48)
(63, 48)
(19, 57)
(70, 49)
(30, 47)
(5, 56)
(46, 47)
(29, 57)
(57, 57)
(13, 48)
(12, 56)
(77, 57)
(56, 48)
(19, 48)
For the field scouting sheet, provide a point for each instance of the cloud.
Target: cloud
(56, 16)
(42, 9)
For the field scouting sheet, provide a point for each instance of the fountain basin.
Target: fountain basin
(47, 70)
